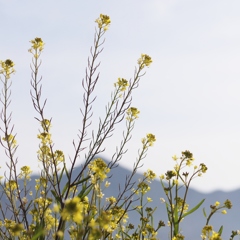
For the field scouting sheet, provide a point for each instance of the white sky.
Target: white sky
(189, 97)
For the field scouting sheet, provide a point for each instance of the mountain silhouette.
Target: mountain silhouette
(192, 225)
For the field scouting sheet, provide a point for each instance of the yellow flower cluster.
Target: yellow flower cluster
(37, 47)
(11, 185)
(103, 22)
(208, 233)
(170, 174)
(41, 182)
(187, 156)
(7, 68)
(37, 44)
(178, 237)
(73, 210)
(143, 188)
(44, 153)
(42, 211)
(203, 168)
(109, 220)
(46, 124)
(45, 138)
(149, 140)
(111, 200)
(98, 170)
(144, 61)
(150, 175)
(11, 140)
(14, 228)
(121, 84)
(25, 172)
(132, 114)
(181, 204)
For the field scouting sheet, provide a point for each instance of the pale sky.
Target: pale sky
(189, 97)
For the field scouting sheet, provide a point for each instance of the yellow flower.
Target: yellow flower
(175, 181)
(99, 168)
(37, 44)
(45, 137)
(224, 212)
(132, 114)
(56, 208)
(178, 237)
(107, 184)
(174, 157)
(26, 169)
(25, 172)
(203, 167)
(144, 60)
(151, 139)
(117, 236)
(60, 234)
(16, 229)
(10, 139)
(121, 84)
(73, 209)
(149, 199)
(111, 200)
(143, 187)
(150, 175)
(217, 203)
(103, 22)
(46, 124)
(59, 156)
(11, 185)
(228, 204)
(177, 167)
(215, 236)
(206, 230)
(162, 176)
(7, 68)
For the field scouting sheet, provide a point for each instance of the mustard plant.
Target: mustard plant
(77, 208)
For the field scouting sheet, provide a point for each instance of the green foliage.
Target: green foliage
(77, 208)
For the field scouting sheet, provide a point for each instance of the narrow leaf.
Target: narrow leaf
(204, 213)
(193, 209)
(220, 230)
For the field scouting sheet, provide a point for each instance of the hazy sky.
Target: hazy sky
(189, 97)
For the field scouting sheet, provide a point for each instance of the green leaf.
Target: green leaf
(126, 234)
(193, 209)
(220, 230)
(83, 192)
(60, 177)
(81, 181)
(175, 221)
(38, 234)
(204, 213)
(39, 231)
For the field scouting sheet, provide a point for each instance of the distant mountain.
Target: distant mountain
(192, 224)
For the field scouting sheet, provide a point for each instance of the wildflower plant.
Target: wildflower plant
(78, 208)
